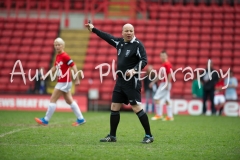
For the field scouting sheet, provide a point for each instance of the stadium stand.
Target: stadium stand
(26, 40)
(190, 33)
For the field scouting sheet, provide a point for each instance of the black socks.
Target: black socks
(114, 120)
(145, 123)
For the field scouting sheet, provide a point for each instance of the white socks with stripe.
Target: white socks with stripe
(169, 111)
(76, 110)
(50, 111)
(159, 109)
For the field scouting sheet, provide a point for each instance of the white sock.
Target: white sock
(76, 110)
(159, 109)
(50, 111)
(169, 111)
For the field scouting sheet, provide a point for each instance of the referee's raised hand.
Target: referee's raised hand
(89, 25)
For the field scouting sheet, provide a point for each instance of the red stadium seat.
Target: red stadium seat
(5, 40)
(217, 31)
(227, 45)
(194, 45)
(29, 34)
(206, 30)
(217, 23)
(216, 52)
(181, 60)
(172, 37)
(184, 30)
(228, 23)
(236, 46)
(9, 26)
(217, 16)
(183, 37)
(13, 48)
(205, 38)
(192, 60)
(228, 31)
(216, 38)
(163, 15)
(216, 45)
(206, 23)
(207, 16)
(228, 38)
(237, 38)
(226, 61)
(194, 37)
(16, 41)
(205, 45)
(182, 44)
(228, 9)
(204, 52)
(195, 30)
(22, 57)
(27, 41)
(185, 22)
(20, 27)
(38, 42)
(196, 22)
(237, 31)
(196, 15)
(175, 15)
(31, 26)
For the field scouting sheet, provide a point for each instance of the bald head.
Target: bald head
(128, 32)
(128, 25)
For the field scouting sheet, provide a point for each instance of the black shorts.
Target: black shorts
(127, 91)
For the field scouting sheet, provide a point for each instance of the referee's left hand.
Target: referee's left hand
(130, 72)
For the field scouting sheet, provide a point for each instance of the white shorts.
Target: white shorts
(64, 86)
(231, 97)
(219, 99)
(163, 94)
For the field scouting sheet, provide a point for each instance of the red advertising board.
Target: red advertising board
(38, 103)
(195, 107)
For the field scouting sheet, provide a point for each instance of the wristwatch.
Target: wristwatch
(135, 69)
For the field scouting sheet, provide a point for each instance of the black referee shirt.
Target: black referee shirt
(130, 54)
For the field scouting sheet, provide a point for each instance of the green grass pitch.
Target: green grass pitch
(186, 138)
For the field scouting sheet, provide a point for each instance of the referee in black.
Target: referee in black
(132, 58)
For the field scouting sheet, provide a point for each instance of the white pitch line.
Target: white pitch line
(20, 129)
(11, 132)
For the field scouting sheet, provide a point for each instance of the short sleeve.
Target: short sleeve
(68, 60)
(168, 67)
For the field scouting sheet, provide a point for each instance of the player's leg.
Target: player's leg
(152, 102)
(205, 95)
(216, 103)
(75, 108)
(159, 102)
(114, 121)
(147, 98)
(222, 102)
(117, 99)
(51, 107)
(167, 100)
(211, 95)
(134, 96)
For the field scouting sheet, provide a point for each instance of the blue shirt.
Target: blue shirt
(231, 92)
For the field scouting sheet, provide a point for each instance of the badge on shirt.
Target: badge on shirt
(119, 51)
(127, 53)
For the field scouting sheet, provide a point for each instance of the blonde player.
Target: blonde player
(62, 65)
